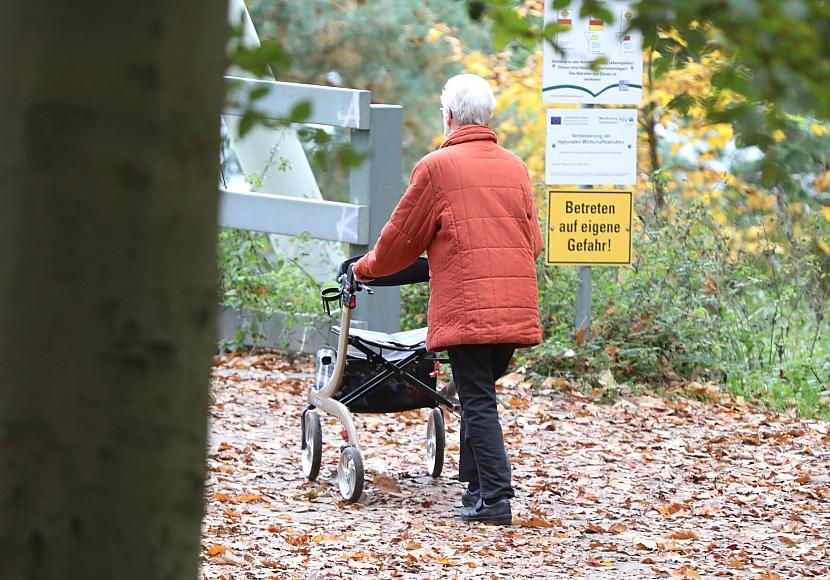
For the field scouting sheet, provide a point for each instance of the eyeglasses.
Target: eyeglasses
(444, 113)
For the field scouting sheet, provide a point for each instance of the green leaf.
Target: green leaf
(300, 112)
(273, 54)
(257, 60)
(596, 9)
(597, 63)
(348, 157)
(257, 93)
(501, 37)
(681, 103)
(250, 118)
(696, 41)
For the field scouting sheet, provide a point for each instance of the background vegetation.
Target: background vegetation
(731, 278)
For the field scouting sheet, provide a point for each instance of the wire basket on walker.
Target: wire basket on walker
(372, 372)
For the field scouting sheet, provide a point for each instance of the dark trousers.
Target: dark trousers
(483, 461)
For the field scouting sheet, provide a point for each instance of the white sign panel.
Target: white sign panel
(591, 147)
(569, 78)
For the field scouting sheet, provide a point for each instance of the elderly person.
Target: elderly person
(470, 206)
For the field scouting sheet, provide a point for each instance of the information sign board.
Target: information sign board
(570, 79)
(591, 147)
(589, 227)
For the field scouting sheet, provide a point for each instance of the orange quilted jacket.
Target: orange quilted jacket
(470, 206)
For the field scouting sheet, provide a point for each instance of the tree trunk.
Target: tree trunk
(654, 158)
(108, 174)
(648, 120)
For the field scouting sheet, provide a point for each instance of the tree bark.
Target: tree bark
(649, 122)
(654, 159)
(108, 165)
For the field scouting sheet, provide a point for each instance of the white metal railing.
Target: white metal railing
(374, 186)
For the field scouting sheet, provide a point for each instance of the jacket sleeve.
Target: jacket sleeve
(408, 232)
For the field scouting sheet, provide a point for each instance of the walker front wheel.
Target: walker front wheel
(350, 474)
(436, 440)
(312, 445)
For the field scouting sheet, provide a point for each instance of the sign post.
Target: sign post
(589, 147)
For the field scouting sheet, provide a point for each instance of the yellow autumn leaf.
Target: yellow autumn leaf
(818, 129)
(719, 215)
(435, 33)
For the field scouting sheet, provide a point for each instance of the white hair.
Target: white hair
(470, 99)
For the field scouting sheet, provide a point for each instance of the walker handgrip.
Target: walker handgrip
(350, 279)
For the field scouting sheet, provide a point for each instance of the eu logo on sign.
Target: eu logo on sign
(556, 120)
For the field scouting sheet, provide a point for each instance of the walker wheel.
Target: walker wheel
(312, 445)
(350, 474)
(436, 440)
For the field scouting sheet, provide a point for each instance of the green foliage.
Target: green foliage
(269, 59)
(773, 57)
(414, 303)
(802, 152)
(776, 52)
(686, 311)
(259, 283)
(390, 47)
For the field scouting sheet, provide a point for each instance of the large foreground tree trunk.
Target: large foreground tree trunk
(108, 165)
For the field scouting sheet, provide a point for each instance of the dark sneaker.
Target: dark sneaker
(498, 513)
(470, 498)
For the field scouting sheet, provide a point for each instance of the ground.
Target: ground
(644, 487)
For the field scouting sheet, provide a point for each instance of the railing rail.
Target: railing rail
(334, 106)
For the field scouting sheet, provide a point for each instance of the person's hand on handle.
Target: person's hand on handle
(359, 278)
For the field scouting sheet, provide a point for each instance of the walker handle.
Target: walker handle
(354, 284)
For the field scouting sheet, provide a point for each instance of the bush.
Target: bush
(692, 309)
(258, 282)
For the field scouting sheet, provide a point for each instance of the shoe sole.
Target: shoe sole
(499, 521)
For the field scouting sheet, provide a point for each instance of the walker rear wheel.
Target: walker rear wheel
(350, 474)
(312, 445)
(436, 440)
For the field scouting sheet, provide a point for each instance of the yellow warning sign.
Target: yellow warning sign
(589, 227)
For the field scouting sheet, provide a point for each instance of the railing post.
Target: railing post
(377, 184)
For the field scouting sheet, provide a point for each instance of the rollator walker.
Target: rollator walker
(372, 372)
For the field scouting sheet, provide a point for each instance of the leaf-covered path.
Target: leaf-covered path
(643, 488)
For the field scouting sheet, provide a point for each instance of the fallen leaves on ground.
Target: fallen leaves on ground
(644, 488)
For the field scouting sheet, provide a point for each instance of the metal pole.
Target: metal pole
(377, 184)
(583, 290)
(583, 303)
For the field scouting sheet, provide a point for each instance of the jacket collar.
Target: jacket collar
(467, 133)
